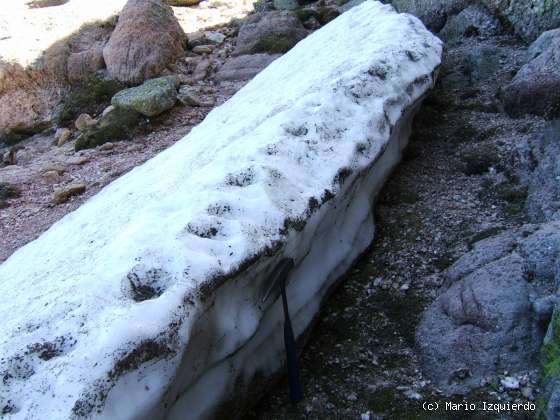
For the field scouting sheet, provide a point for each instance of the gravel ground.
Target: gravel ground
(456, 185)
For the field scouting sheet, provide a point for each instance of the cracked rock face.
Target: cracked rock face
(152, 299)
(535, 89)
(487, 321)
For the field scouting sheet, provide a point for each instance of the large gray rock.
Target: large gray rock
(529, 18)
(433, 13)
(540, 172)
(146, 40)
(535, 89)
(485, 322)
(475, 20)
(244, 67)
(271, 32)
(469, 65)
(151, 98)
(542, 43)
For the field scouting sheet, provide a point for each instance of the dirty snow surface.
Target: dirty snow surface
(150, 300)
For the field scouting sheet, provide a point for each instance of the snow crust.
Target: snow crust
(148, 301)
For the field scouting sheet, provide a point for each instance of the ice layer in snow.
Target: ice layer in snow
(148, 301)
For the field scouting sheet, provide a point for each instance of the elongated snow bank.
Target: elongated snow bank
(148, 301)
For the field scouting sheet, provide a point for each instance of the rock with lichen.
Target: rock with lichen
(151, 98)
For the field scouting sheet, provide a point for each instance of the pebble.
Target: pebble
(203, 49)
(84, 121)
(413, 395)
(60, 169)
(215, 37)
(51, 176)
(352, 397)
(527, 392)
(107, 146)
(79, 161)
(62, 195)
(510, 382)
(62, 135)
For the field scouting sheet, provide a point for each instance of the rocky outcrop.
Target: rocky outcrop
(529, 18)
(485, 322)
(475, 20)
(270, 33)
(433, 13)
(540, 173)
(137, 52)
(160, 301)
(151, 98)
(535, 89)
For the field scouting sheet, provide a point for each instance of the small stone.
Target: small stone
(189, 98)
(205, 38)
(60, 169)
(191, 61)
(51, 176)
(84, 121)
(202, 69)
(61, 136)
(412, 395)
(352, 397)
(214, 37)
(366, 416)
(312, 23)
(527, 392)
(79, 161)
(106, 146)
(62, 195)
(203, 49)
(510, 382)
